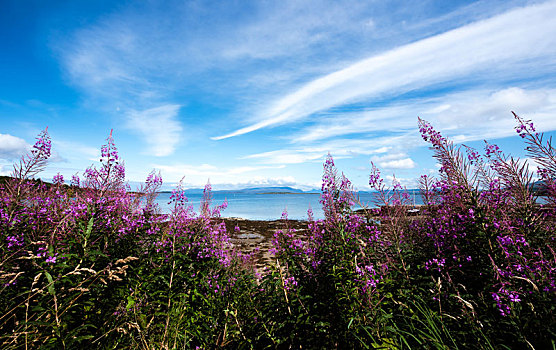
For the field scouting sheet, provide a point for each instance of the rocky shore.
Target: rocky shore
(253, 234)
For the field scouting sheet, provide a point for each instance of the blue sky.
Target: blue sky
(257, 93)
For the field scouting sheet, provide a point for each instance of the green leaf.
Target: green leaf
(87, 233)
(83, 337)
(89, 228)
(50, 283)
(130, 302)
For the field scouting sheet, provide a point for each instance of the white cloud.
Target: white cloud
(463, 117)
(475, 115)
(512, 45)
(392, 119)
(159, 127)
(405, 163)
(339, 148)
(150, 50)
(291, 61)
(481, 115)
(294, 26)
(5, 170)
(76, 150)
(99, 58)
(404, 182)
(394, 160)
(133, 46)
(12, 147)
(273, 181)
(289, 156)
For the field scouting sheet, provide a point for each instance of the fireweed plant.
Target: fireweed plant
(474, 269)
(92, 264)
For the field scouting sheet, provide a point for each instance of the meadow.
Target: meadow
(92, 264)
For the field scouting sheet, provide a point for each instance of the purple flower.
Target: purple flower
(58, 179)
(290, 283)
(75, 180)
(41, 148)
(514, 297)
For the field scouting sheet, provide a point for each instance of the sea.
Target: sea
(270, 206)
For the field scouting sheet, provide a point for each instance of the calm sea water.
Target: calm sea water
(265, 206)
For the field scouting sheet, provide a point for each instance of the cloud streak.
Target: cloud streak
(480, 114)
(392, 130)
(339, 148)
(512, 45)
(159, 127)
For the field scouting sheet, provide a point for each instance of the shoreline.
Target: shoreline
(255, 234)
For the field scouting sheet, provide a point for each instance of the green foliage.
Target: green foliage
(91, 267)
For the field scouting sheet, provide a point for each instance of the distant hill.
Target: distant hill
(5, 179)
(282, 189)
(273, 189)
(539, 188)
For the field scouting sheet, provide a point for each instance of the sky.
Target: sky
(257, 93)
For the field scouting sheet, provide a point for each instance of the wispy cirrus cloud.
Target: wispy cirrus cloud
(479, 114)
(513, 45)
(464, 116)
(76, 150)
(153, 48)
(339, 148)
(345, 77)
(141, 54)
(159, 128)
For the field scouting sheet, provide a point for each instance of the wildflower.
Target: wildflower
(514, 297)
(290, 283)
(41, 148)
(58, 179)
(75, 181)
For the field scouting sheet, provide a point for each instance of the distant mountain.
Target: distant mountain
(283, 189)
(539, 188)
(5, 179)
(273, 189)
